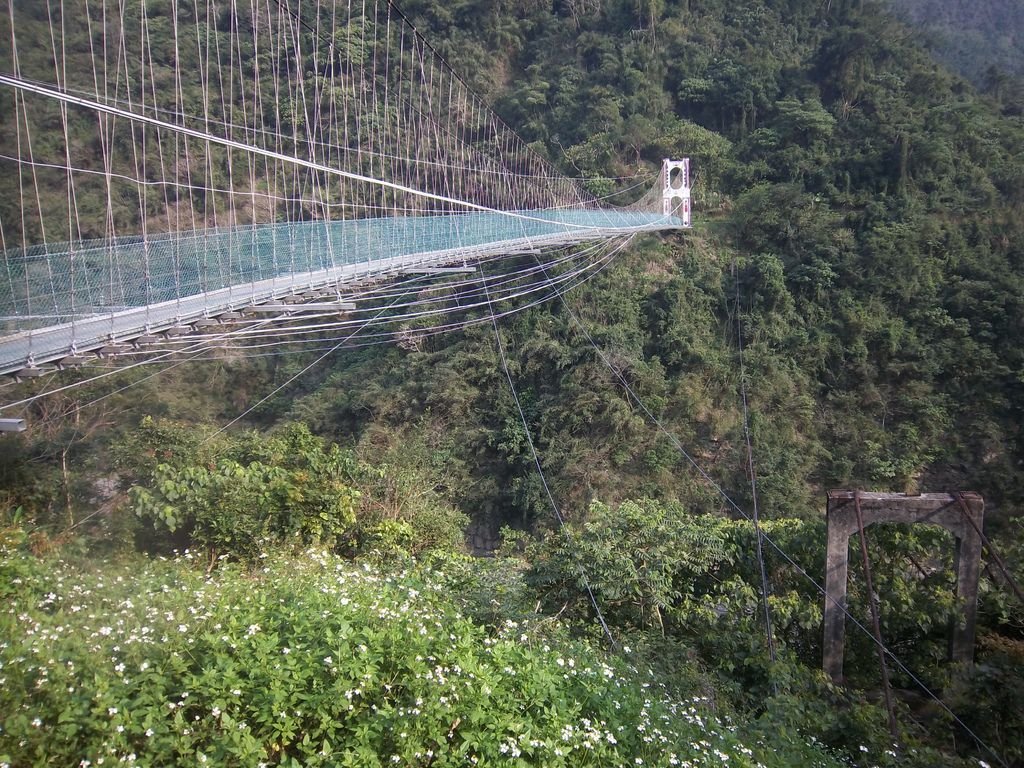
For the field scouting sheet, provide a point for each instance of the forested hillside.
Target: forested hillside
(859, 228)
(983, 41)
(869, 200)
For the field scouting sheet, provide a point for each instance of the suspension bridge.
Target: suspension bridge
(226, 169)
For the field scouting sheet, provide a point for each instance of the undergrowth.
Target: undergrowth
(311, 659)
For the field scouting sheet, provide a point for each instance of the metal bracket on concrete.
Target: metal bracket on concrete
(114, 348)
(34, 372)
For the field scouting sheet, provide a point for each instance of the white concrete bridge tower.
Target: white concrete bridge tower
(675, 192)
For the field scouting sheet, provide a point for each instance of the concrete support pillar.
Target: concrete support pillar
(967, 562)
(836, 565)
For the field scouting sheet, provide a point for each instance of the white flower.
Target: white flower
(111, 710)
(286, 651)
(37, 722)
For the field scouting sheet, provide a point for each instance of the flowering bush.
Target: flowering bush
(314, 660)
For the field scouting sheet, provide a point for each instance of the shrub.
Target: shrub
(266, 489)
(234, 495)
(640, 558)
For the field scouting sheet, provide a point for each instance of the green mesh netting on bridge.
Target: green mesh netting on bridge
(52, 283)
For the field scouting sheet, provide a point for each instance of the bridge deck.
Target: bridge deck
(67, 298)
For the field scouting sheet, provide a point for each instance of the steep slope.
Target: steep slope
(871, 199)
